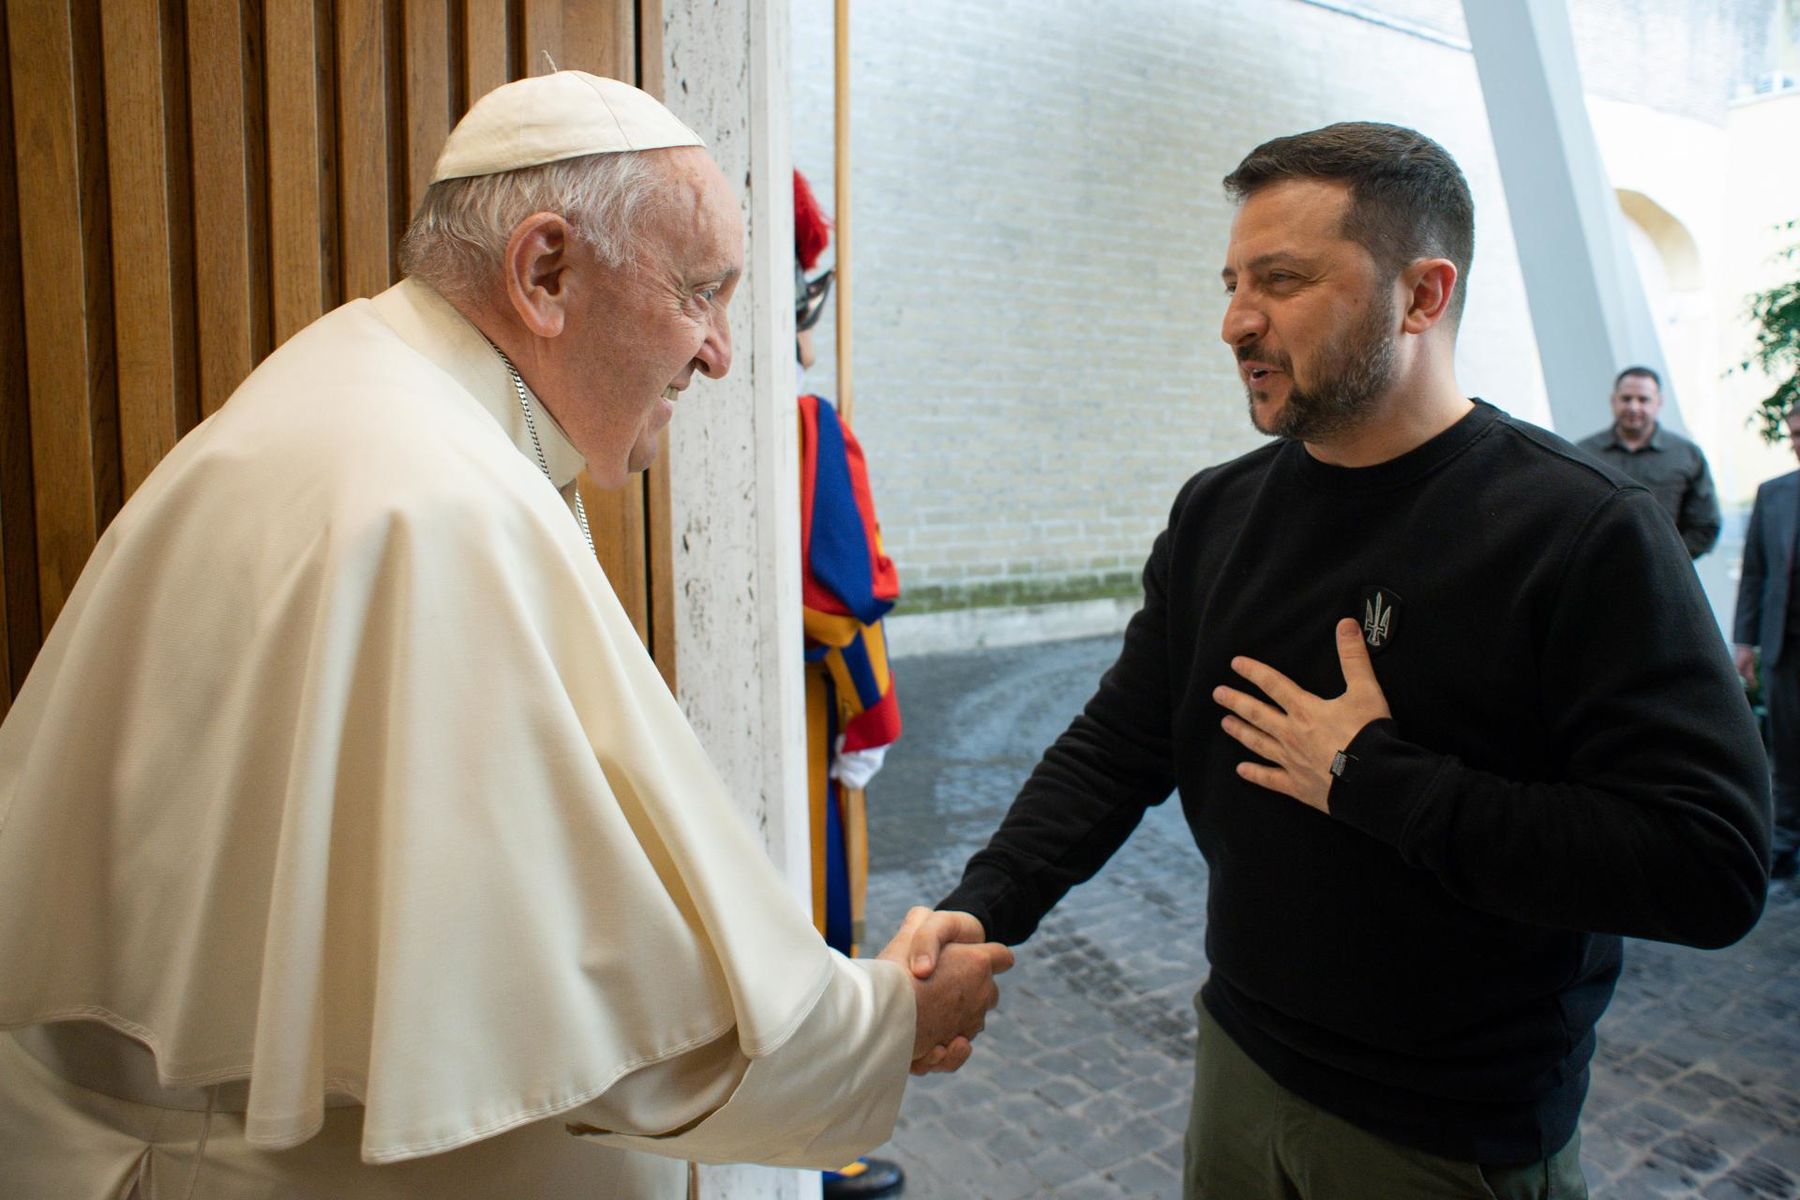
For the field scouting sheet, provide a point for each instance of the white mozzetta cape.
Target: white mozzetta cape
(343, 772)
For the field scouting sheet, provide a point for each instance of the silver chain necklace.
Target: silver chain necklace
(544, 463)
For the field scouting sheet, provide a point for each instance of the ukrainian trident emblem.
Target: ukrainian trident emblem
(1380, 605)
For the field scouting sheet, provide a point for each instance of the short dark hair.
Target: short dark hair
(1408, 198)
(1647, 372)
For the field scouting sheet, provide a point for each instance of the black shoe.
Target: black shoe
(864, 1177)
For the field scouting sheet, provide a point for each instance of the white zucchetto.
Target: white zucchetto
(548, 118)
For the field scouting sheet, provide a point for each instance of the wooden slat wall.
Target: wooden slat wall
(300, 221)
(224, 287)
(57, 304)
(144, 282)
(222, 172)
(18, 533)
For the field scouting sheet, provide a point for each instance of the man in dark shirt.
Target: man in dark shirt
(1767, 632)
(1670, 466)
(1534, 741)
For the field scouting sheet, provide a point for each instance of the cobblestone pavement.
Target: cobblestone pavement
(1079, 1088)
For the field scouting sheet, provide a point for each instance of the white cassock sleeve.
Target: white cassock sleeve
(831, 1092)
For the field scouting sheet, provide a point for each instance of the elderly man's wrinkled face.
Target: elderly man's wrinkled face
(636, 338)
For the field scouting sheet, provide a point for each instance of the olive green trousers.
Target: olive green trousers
(1249, 1138)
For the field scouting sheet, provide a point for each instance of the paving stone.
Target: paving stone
(1146, 1177)
(1010, 1145)
(1784, 1153)
(1600, 1146)
(1692, 1153)
(1653, 1177)
(1101, 1153)
(1764, 1178)
(1106, 1076)
(1632, 1126)
(1734, 1139)
(1748, 1111)
(1059, 1062)
(1064, 1093)
(1092, 1189)
(1146, 1095)
(1657, 1065)
(1728, 1189)
(1056, 1168)
(1700, 1088)
(1062, 1130)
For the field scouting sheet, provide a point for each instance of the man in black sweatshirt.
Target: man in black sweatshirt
(1446, 709)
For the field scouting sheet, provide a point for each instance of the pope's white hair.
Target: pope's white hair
(458, 237)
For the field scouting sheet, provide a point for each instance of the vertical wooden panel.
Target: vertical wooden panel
(137, 154)
(427, 93)
(363, 148)
(484, 47)
(598, 36)
(253, 75)
(543, 37)
(295, 165)
(616, 519)
(55, 293)
(95, 217)
(650, 47)
(183, 269)
(18, 538)
(221, 197)
(659, 557)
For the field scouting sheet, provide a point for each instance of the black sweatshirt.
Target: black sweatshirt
(1570, 759)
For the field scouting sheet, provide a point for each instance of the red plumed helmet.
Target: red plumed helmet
(812, 229)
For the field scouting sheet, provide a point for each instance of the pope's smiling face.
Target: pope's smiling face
(635, 335)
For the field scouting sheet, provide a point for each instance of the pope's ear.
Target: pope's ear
(535, 270)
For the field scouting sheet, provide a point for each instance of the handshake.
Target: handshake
(952, 968)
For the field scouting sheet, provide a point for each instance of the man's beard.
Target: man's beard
(1353, 372)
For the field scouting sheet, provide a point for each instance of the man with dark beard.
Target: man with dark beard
(1533, 745)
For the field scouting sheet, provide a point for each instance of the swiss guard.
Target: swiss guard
(848, 585)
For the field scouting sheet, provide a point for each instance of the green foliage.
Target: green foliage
(1777, 353)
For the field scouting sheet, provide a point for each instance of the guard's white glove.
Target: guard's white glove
(854, 768)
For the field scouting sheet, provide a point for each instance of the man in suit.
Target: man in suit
(1768, 627)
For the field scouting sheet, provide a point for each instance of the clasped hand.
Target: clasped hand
(952, 968)
(1300, 733)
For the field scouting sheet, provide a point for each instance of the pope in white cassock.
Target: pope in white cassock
(350, 844)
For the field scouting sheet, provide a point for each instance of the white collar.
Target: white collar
(435, 328)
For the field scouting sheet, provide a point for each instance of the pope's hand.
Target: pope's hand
(1301, 733)
(956, 992)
